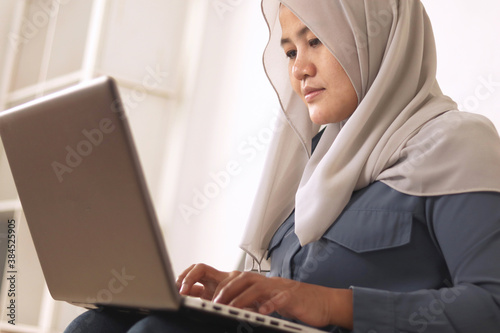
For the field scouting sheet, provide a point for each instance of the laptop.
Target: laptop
(89, 212)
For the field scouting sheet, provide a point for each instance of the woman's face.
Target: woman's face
(315, 74)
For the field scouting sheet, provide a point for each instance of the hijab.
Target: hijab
(404, 131)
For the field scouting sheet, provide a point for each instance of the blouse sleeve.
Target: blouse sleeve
(466, 228)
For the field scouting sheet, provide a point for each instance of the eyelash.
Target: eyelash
(291, 54)
(312, 43)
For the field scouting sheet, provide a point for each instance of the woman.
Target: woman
(391, 218)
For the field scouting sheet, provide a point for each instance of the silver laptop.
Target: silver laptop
(88, 209)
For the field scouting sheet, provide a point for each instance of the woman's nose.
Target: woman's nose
(303, 67)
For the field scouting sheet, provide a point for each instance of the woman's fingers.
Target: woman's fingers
(234, 285)
(181, 277)
(292, 299)
(199, 273)
(312, 304)
(197, 291)
(189, 281)
(276, 303)
(265, 290)
(250, 290)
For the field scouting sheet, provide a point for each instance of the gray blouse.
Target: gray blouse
(415, 264)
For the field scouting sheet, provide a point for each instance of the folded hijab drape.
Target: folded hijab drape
(402, 133)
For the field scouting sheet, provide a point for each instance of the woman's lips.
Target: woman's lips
(309, 96)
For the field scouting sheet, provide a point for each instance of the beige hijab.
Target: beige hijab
(402, 132)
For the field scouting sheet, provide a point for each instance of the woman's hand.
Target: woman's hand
(200, 280)
(314, 305)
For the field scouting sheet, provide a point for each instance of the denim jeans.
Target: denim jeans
(114, 321)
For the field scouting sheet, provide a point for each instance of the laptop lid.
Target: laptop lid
(80, 182)
(88, 209)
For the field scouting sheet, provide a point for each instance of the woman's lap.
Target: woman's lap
(110, 321)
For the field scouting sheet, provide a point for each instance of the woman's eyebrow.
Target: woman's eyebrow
(299, 34)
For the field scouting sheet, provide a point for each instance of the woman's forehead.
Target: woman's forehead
(291, 26)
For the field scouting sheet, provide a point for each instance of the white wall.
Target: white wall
(232, 104)
(468, 43)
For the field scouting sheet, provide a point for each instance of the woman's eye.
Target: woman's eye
(314, 42)
(291, 54)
